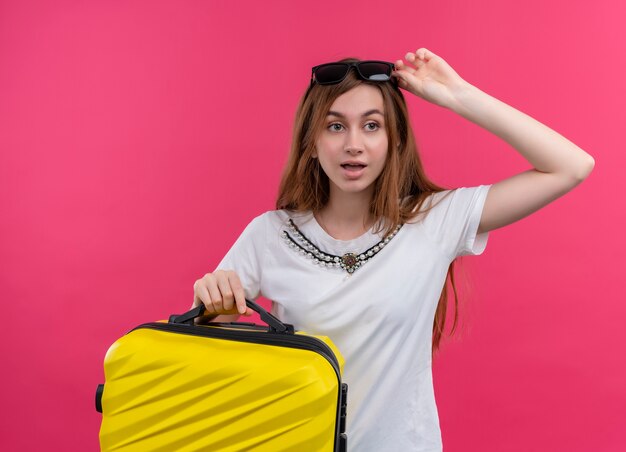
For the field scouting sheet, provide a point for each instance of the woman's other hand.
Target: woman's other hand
(429, 76)
(221, 293)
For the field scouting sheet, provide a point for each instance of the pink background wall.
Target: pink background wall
(137, 139)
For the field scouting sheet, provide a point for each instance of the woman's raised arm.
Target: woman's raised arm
(558, 164)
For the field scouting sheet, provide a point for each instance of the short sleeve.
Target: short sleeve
(245, 257)
(454, 220)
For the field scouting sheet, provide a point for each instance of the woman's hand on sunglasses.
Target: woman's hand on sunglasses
(429, 76)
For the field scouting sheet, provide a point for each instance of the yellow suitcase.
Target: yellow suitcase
(176, 386)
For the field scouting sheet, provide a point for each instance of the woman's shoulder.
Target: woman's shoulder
(283, 215)
(423, 203)
(280, 218)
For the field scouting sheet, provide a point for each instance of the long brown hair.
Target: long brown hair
(305, 186)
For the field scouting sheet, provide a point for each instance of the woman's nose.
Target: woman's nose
(354, 143)
(353, 150)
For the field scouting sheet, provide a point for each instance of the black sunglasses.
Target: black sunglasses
(371, 70)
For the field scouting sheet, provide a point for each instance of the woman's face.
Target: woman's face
(352, 146)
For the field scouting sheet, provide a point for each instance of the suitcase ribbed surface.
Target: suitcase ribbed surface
(167, 391)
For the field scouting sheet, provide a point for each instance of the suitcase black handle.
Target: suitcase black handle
(274, 324)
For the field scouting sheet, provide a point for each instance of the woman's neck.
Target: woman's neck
(346, 216)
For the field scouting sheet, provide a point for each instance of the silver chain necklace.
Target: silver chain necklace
(350, 262)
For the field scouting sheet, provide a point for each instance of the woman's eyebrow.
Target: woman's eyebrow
(367, 113)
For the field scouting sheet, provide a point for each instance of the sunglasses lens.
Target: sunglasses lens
(375, 71)
(331, 73)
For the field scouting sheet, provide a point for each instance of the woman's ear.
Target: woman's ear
(314, 153)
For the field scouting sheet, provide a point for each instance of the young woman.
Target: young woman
(362, 243)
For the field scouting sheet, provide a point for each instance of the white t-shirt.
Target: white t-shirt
(380, 317)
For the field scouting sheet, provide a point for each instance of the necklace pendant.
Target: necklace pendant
(350, 262)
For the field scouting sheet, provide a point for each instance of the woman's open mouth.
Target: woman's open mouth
(353, 166)
(353, 170)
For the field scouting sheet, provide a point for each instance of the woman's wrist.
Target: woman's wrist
(462, 95)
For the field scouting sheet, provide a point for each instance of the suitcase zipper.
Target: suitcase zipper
(280, 340)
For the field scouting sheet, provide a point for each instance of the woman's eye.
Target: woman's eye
(335, 127)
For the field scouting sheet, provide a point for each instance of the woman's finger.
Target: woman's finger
(223, 284)
(401, 65)
(238, 292)
(202, 295)
(416, 60)
(411, 57)
(424, 54)
(408, 77)
(400, 77)
(215, 297)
